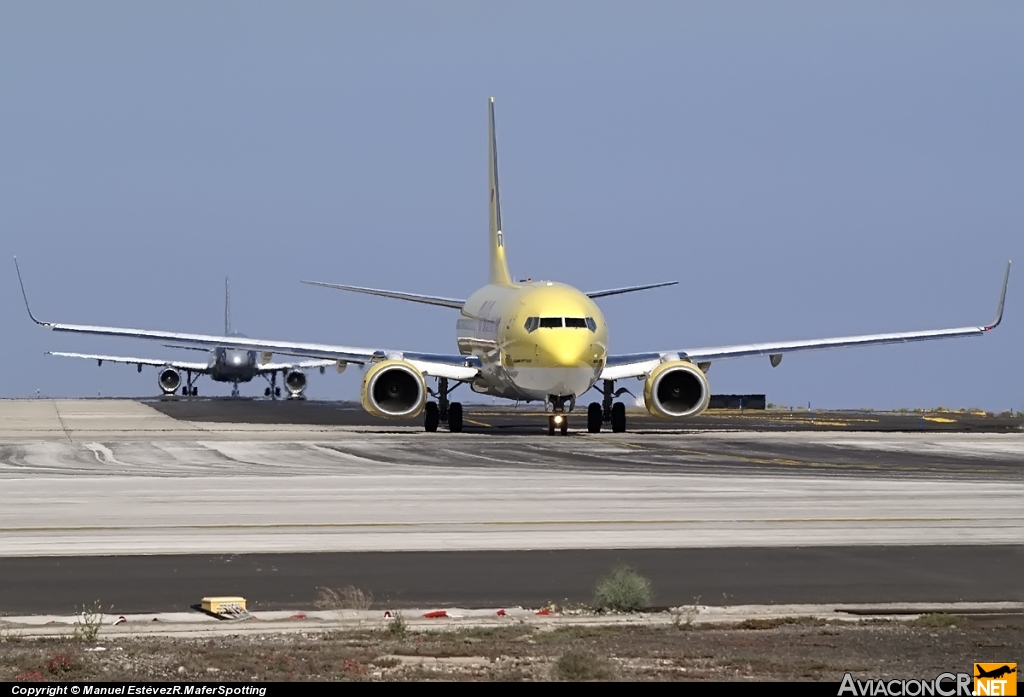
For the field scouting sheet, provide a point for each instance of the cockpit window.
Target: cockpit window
(534, 323)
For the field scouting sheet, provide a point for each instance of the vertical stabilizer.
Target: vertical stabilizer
(227, 308)
(499, 266)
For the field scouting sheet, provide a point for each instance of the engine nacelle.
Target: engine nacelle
(170, 380)
(295, 381)
(676, 389)
(394, 389)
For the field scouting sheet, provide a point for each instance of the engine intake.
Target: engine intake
(295, 381)
(170, 380)
(394, 389)
(677, 389)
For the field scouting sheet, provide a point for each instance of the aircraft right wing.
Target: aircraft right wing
(130, 360)
(641, 364)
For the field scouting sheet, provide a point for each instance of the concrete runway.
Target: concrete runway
(117, 477)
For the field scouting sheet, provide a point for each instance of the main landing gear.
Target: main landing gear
(607, 411)
(189, 390)
(443, 411)
(273, 391)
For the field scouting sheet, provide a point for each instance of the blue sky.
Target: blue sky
(803, 169)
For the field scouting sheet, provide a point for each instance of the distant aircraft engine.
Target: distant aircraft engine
(295, 381)
(676, 389)
(169, 380)
(394, 389)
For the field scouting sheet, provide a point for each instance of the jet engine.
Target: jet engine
(394, 389)
(169, 380)
(295, 381)
(676, 389)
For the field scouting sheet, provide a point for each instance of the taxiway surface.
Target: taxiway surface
(118, 477)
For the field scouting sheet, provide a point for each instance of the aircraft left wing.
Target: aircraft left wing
(640, 364)
(433, 365)
(131, 360)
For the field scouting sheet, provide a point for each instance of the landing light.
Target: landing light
(558, 419)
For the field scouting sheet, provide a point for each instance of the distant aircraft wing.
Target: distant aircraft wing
(434, 365)
(131, 360)
(412, 297)
(640, 364)
(296, 365)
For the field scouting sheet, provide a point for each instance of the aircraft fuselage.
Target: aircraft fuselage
(535, 341)
(232, 365)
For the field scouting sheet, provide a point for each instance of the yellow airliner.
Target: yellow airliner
(527, 341)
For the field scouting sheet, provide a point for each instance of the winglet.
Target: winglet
(25, 295)
(1002, 299)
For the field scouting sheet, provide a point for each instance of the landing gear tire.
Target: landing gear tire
(266, 392)
(455, 417)
(195, 391)
(594, 417)
(431, 417)
(618, 417)
(277, 391)
(551, 425)
(565, 426)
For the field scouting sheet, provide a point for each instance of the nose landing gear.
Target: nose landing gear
(559, 420)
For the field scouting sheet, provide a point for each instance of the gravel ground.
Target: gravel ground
(784, 649)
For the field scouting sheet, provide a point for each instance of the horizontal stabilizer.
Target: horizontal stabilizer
(628, 289)
(413, 297)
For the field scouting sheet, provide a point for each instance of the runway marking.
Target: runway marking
(476, 423)
(507, 523)
(826, 465)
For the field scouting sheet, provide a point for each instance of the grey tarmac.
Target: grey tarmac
(116, 494)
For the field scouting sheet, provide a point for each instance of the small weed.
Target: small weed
(937, 619)
(89, 622)
(60, 664)
(775, 622)
(577, 666)
(386, 662)
(347, 598)
(7, 635)
(683, 617)
(398, 627)
(30, 676)
(623, 590)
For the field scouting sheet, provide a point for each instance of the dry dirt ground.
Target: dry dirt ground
(784, 649)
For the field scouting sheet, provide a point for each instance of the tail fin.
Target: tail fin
(499, 266)
(227, 308)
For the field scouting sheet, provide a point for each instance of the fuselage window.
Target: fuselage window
(550, 322)
(576, 322)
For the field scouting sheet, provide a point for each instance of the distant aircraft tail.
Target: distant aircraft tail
(499, 265)
(227, 308)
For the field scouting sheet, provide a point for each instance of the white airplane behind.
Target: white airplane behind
(223, 365)
(531, 341)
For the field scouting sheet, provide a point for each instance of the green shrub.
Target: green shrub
(623, 590)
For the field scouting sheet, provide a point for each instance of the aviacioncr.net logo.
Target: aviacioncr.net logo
(943, 685)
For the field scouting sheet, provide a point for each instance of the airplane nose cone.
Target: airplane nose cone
(567, 348)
